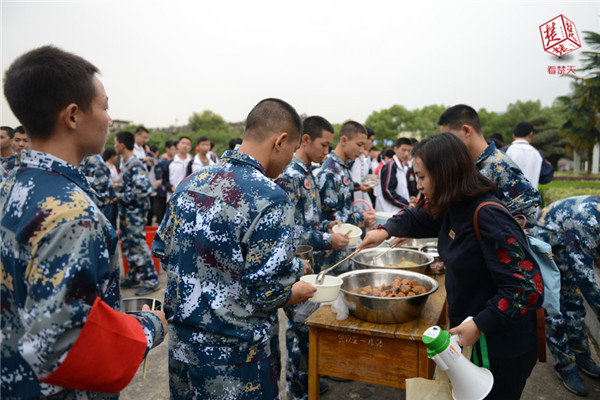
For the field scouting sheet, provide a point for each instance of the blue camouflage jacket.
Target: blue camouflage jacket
(227, 244)
(298, 182)
(337, 191)
(134, 194)
(514, 190)
(98, 175)
(9, 163)
(58, 258)
(572, 223)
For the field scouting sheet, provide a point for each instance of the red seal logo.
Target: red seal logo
(307, 184)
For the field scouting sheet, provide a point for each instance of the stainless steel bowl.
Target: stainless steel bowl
(133, 305)
(366, 259)
(416, 244)
(384, 310)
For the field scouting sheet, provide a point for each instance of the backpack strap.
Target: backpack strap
(475, 223)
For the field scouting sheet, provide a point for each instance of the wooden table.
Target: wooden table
(383, 354)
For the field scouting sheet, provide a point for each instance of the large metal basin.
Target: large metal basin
(366, 259)
(416, 244)
(384, 310)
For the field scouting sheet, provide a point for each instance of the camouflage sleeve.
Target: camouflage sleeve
(139, 188)
(517, 193)
(270, 266)
(330, 200)
(63, 283)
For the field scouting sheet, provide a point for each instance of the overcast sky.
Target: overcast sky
(160, 61)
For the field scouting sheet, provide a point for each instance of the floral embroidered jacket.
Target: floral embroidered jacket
(497, 281)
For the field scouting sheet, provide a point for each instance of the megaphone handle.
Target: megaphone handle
(440, 363)
(454, 340)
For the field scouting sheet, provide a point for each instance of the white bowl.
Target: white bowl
(354, 235)
(381, 217)
(328, 291)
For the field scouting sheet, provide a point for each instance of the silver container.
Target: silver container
(366, 259)
(133, 305)
(416, 244)
(437, 266)
(384, 310)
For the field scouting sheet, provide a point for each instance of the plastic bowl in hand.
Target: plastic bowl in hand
(381, 217)
(352, 231)
(328, 291)
(133, 305)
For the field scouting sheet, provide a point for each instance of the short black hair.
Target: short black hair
(403, 140)
(370, 132)
(350, 129)
(459, 115)
(454, 176)
(183, 137)
(270, 116)
(9, 130)
(202, 139)
(126, 138)
(141, 129)
(522, 129)
(108, 153)
(170, 143)
(388, 153)
(153, 148)
(234, 142)
(314, 127)
(41, 82)
(20, 129)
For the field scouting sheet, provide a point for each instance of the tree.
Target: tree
(582, 106)
(207, 121)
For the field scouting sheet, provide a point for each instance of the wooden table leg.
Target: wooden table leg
(313, 376)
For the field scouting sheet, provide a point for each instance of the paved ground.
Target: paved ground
(542, 385)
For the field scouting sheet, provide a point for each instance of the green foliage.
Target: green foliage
(207, 121)
(390, 123)
(561, 189)
(582, 126)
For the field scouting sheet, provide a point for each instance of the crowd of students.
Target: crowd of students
(228, 234)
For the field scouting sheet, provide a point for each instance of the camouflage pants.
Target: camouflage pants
(257, 380)
(296, 339)
(135, 249)
(566, 334)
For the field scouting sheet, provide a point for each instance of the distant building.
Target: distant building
(119, 124)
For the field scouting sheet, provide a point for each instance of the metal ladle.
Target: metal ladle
(385, 252)
(321, 276)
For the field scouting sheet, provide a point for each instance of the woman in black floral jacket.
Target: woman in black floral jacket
(495, 279)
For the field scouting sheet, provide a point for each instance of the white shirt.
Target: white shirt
(527, 158)
(401, 188)
(359, 170)
(177, 169)
(197, 163)
(139, 152)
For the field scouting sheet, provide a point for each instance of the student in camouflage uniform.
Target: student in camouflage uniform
(98, 175)
(62, 334)
(298, 182)
(514, 190)
(572, 227)
(8, 157)
(336, 188)
(227, 244)
(134, 202)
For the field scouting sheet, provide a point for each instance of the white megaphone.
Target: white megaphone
(469, 382)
